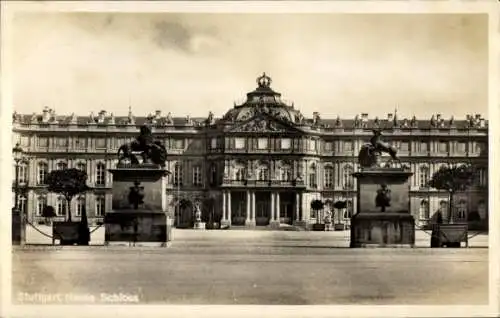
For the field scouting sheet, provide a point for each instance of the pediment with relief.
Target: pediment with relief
(263, 124)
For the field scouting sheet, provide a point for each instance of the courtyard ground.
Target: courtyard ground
(256, 267)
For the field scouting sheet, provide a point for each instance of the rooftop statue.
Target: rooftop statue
(151, 151)
(370, 153)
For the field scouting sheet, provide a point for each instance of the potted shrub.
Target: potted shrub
(317, 206)
(69, 183)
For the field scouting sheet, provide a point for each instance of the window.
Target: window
(286, 143)
(41, 203)
(483, 177)
(100, 205)
(329, 178)
(262, 143)
(461, 147)
(81, 143)
(263, 173)
(480, 147)
(197, 182)
(347, 178)
(213, 174)
(240, 174)
(25, 141)
(80, 205)
(100, 174)
(443, 146)
(286, 173)
(424, 146)
(348, 146)
(481, 209)
(443, 208)
(82, 166)
(213, 143)
(100, 143)
(329, 146)
(424, 211)
(62, 165)
(42, 173)
(61, 206)
(314, 214)
(22, 202)
(23, 173)
(424, 176)
(461, 210)
(404, 146)
(43, 142)
(313, 177)
(312, 144)
(62, 142)
(178, 144)
(177, 175)
(239, 143)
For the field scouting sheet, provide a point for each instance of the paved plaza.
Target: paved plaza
(258, 267)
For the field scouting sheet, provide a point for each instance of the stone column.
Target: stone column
(274, 222)
(249, 211)
(272, 206)
(252, 218)
(229, 206)
(224, 207)
(305, 208)
(250, 221)
(277, 214)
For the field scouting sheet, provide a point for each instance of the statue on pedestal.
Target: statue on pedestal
(369, 155)
(151, 151)
(197, 213)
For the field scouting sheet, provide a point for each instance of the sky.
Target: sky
(335, 64)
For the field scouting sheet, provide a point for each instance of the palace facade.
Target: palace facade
(261, 164)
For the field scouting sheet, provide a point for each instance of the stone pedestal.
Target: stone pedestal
(199, 225)
(274, 224)
(379, 222)
(139, 223)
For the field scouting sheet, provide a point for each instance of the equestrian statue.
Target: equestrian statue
(369, 155)
(144, 146)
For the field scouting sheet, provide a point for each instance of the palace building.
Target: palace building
(261, 164)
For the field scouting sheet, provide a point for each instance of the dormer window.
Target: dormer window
(286, 143)
(262, 143)
(239, 143)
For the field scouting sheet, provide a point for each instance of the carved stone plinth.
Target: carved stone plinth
(382, 229)
(274, 224)
(139, 209)
(383, 205)
(199, 225)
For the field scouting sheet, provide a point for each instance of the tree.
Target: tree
(69, 183)
(317, 205)
(453, 179)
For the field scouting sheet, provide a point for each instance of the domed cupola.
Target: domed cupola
(264, 100)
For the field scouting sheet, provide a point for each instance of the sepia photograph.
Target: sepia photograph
(258, 158)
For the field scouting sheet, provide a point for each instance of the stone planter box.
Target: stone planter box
(318, 227)
(339, 227)
(449, 235)
(65, 232)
